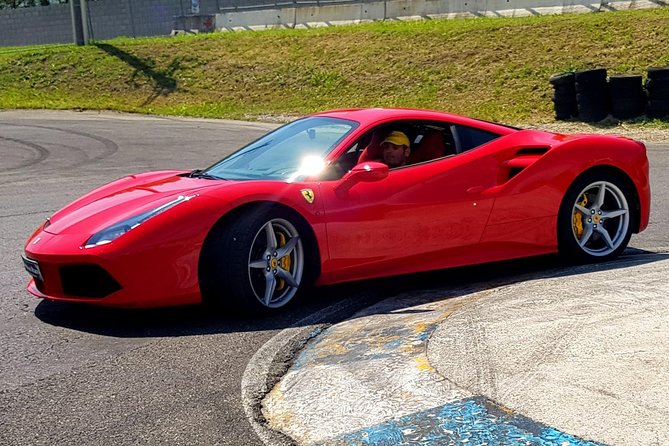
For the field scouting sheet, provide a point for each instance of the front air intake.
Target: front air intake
(87, 281)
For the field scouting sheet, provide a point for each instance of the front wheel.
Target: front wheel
(595, 218)
(255, 262)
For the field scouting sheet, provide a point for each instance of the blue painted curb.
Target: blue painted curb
(472, 421)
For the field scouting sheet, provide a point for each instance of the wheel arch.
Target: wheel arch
(313, 256)
(624, 177)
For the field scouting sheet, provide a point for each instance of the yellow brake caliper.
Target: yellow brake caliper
(578, 219)
(283, 261)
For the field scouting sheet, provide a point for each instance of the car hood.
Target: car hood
(123, 199)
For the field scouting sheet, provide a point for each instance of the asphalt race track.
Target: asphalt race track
(78, 375)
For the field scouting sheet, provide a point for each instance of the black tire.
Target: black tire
(591, 86)
(626, 81)
(563, 101)
(564, 95)
(589, 115)
(564, 114)
(628, 110)
(564, 111)
(658, 89)
(562, 80)
(230, 274)
(658, 73)
(594, 76)
(628, 99)
(593, 106)
(657, 108)
(566, 88)
(579, 244)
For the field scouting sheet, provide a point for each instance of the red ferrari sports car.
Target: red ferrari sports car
(313, 202)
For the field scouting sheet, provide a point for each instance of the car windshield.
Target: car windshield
(294, 150)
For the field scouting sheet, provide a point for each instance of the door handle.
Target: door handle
(475, 189)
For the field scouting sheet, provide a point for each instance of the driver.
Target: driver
(395, 149)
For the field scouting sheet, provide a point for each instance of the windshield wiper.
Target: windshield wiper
(199, 173)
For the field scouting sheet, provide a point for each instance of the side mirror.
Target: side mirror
(367, 172)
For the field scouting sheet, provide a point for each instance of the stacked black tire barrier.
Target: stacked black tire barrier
(628, 99)
(657, 85)
(592, 94)
(564, 95)
(589, 96)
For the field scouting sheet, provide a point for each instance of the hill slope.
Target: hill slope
(493, 69)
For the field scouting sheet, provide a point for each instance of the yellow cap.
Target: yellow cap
(397, 138)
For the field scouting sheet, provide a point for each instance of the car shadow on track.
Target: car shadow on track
(324, 305)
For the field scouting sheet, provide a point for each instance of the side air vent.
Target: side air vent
(524, 158)
(533, 151)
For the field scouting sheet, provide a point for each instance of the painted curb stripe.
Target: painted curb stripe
(472, 421)
(368, 381)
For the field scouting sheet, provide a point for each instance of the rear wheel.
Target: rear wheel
(595, 218)
(254, 263)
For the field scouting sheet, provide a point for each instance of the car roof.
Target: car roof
(370, 116)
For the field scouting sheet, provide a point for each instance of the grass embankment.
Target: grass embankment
(494, 69)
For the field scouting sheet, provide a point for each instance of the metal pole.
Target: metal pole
(132, 18)
(77, 28)
(84, 21)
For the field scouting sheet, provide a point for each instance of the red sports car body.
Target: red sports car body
(312, 201)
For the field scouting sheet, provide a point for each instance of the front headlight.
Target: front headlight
(113, 232)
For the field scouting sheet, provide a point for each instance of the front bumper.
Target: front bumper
(115, 275)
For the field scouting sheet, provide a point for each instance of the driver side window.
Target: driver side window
(344, 163)
(427, 141)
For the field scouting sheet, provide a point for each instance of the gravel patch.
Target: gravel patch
(609, 127)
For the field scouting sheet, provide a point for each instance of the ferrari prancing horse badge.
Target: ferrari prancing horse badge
(308, 195)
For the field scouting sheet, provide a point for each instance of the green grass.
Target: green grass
(494, 69)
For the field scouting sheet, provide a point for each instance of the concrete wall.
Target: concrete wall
(291, 17)
(307, 17)
(108, 19)
(113, 18)
(26, 26)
